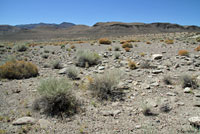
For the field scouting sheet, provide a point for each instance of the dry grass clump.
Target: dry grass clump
(169, 41)
(56, 98)
(127, 45)
(167, 80)
(183, 53)
(127, 49)
(197, 48)
(103, 85)
(18, 70)
(129, 41)
(72, 47)
(198, 39)
(188, 81)
(87, 58)
(104, 41)
(132, 64)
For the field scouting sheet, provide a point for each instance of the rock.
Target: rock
(154, 84)
(180, 104)
(187, 90)
(63, 71)
(111, 113)
(44, 123)
(138, 126)
(1, 83)
(157, 56)
(177, 65)
(195, 121)
(24, 120)
(101, 67)
(197, 94)
(146, 86)
(157, 71)
(171, 94)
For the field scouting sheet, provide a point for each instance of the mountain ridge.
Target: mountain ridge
(98, 30)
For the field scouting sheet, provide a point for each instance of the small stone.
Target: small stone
(101, 68)
(157, 56)
(24, 120)
(138, 126)
(195, 121)
(180, 104)
(155, 84)
(63, 71)
(157, 71)
(146, 86)
(171, 94)
(187, 90)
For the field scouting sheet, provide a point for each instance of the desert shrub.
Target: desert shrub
(132, 65)
(21, 47)
(148, 42)
(57, 98)
(116, 55)
(72, 47)
(18, 70)
(188, 81)
(104, 41)
(62, 46)
(56, 65)
(103, 85)
(145, 65)
(197, 48)
(72, 73)
(46, 51)
(110, 49)
(183, 53)
(142, 54)
(198, 39)
(127, 49)
(167, 80)
(45, 56)
(127, 45)
(117, 48)
(87, 58)
(169, 41)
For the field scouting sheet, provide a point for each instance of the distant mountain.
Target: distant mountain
(31, 26)
(43, 31)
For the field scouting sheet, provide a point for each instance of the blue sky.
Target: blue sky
(88, 12)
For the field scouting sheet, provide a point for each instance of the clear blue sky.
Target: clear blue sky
(185, 12)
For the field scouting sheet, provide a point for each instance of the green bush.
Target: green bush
(72, 73)
(87, 58)
(57, 98)
(117, 48)
(21, 47)
(18, 70)
(57, 65)
(103, 85)
(188, 81)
